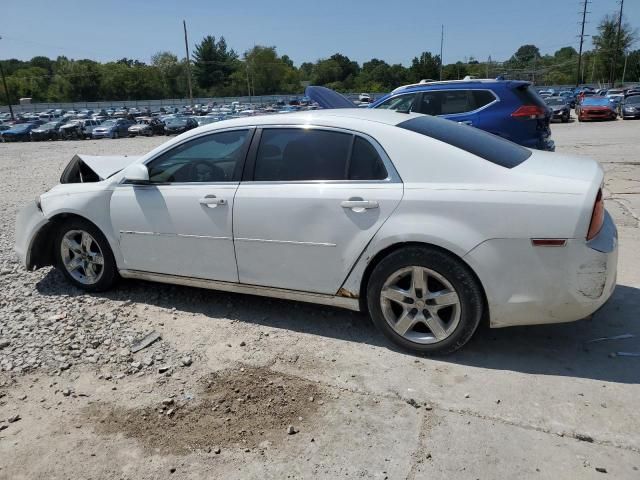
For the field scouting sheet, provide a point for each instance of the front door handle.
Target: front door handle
(358, 204)
(212, 201)
(466, 122)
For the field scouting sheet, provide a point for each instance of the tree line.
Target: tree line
(218, 70)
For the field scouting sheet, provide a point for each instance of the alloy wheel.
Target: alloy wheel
(420, 305)
(82, 257)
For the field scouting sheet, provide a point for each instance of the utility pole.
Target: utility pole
(614, 60)
(248, 84)
(6, 90)
(488, 66)
(441, 43)
(186, 46)
(584, 20)
(624, 70)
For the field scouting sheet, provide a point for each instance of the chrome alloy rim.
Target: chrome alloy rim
(82, 257)
(420, 305)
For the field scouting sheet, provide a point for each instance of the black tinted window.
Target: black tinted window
(365, 163)
(297, 154)
(485, 145)
(482, 98)
(451, 102)
(214, 158)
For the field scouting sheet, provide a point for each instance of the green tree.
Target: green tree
(213, 63)
(426, 66)
(610, 46)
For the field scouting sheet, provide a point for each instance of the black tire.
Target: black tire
(457, 273)
(565, 119)
(116, 135)
(109, 274)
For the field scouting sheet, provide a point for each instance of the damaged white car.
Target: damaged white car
(429, 226)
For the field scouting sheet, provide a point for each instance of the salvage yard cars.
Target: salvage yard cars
(427, 225)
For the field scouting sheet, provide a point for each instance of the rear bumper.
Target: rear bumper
(528, 285)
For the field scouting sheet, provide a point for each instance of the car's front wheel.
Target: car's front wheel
(425, 300)
(84, 256)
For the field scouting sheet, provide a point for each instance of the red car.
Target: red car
(595, 108)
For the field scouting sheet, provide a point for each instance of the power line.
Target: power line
(584, 19)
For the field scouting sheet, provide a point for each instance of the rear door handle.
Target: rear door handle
(212, 201)
(358, 204)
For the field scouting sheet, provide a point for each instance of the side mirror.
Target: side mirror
(136, 174)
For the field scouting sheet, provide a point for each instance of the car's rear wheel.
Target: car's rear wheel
(84, 256)
(425, 300)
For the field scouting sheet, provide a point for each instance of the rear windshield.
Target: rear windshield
(490, 147)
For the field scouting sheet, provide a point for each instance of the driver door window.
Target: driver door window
(211, 159)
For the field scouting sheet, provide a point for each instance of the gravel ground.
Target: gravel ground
(244, 387)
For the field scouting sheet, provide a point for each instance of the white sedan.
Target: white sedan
(429, 226)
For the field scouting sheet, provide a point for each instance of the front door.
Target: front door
(181, 223)
(316, 198)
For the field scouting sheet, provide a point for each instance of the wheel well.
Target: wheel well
(42, 249)
(399, 246)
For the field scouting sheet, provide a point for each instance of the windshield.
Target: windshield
(109, 123)
(632, 100)
(596, 101)
(555, 101)
(50, 125)
(177, 121)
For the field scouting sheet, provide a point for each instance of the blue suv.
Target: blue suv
(511, 109)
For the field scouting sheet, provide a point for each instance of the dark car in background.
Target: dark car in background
(560, 108)
(567, 96)
(19, 132)
(48, 131)
(177, 125)
(146, 126)
(630, 107)
(113, 128)
(595, 108)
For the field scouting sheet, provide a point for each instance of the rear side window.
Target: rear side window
(452, 102)
(296, 154)
(366, 163)
(490, 147)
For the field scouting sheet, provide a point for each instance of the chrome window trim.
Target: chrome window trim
(392, 174)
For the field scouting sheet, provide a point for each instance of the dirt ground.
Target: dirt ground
(242, 387)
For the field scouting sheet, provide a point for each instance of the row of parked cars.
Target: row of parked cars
(57, 124)
(592, 104)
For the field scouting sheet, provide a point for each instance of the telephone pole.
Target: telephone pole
(584, 20)
(186, 46)
(6, 90)
(441, 43)
(614, 60)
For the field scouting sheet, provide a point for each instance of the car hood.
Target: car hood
(102, 166)
(327, 98)
(104, 127)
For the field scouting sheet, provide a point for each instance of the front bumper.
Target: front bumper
(528, 285)
(29, 222)
(102, 134)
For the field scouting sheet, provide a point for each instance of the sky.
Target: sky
(305, 30)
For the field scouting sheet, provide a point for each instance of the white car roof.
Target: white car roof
(330, 117)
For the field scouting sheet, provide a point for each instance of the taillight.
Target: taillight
(529, 111)
(597, 217)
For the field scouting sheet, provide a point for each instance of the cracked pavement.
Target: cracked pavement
(537, 402)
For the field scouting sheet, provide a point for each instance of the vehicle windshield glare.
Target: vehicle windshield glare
(555, 101)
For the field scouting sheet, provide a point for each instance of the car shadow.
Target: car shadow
(556, 349)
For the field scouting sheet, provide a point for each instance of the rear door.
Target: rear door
(461, 105)
(312, 200)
